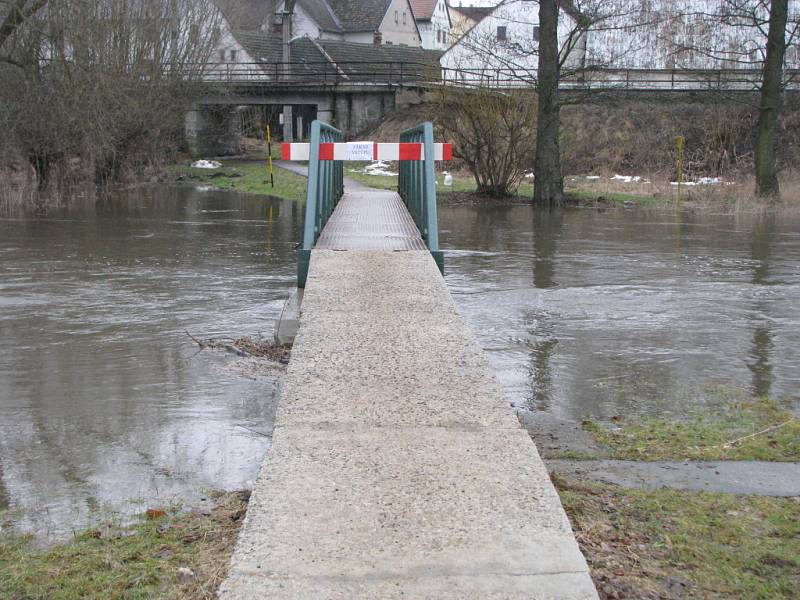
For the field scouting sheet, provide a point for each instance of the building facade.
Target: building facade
(433, 22)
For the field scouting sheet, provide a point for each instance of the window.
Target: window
(501, 33)
(535, 33)
(404, 17)
(222, 56)
(233, 55)
(396, 20)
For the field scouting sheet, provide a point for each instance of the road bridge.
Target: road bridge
(397, 469)
(359, 94)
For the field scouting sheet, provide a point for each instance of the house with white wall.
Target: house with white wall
(686, 35)
(433, 21)
(464, 18)
(505, 44)
(652, 38)
(362, 21)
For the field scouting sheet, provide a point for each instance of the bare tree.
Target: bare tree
(744, 41)
(548, 182)
(492, 134)
(512, 49)
(771, 101)
(13, 14)
(100, 86)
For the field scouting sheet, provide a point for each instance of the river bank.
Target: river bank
(585, 316)
(165, 554)
(684, 528)
(639, 543)
(252, 176)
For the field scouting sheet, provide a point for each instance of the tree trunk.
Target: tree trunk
(771, 100)
(548, 181)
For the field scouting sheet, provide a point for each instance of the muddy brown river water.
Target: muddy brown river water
(106, 405)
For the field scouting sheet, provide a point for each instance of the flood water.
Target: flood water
(105, 403)
(607, 313)
(107, 406)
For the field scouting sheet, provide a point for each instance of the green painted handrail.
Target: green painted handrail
(325, 188)
(417, 187)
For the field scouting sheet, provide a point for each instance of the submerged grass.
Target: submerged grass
(139, 561)
(679, 544)
(753, 429)
(252, 177)
(247, 177)
(465, 184)
(461, 183)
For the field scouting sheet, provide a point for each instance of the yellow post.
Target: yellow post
(269, 157)
(679, 144)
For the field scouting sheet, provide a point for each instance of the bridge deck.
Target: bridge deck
(369, 219)
(397, 469)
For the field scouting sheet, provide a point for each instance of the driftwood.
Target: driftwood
(246, 347)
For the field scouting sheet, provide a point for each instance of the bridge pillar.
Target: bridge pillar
(288, 123)
(212, 130)
(357, 112)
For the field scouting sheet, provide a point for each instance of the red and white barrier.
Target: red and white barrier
(366, 151)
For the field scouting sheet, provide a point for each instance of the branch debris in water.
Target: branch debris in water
(247, 347)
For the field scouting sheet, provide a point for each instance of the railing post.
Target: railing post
(309, 233)
(325, 188)
(417, 188)
(432, 221)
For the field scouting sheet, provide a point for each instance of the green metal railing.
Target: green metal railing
(417, 187)
(325, 188)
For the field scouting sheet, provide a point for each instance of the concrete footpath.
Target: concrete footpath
(397, 469)
(781, 479)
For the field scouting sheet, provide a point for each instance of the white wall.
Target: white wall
(230, 59)
(403, 31)
(681, 34)
(481, 50)
(436, 32)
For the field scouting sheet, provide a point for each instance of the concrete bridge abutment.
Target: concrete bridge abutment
(212, 125)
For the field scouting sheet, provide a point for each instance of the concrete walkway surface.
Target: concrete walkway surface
(731, 477)
(397, 469)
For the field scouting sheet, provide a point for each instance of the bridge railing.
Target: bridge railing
(417, 187)
(325, 189)
(739, 80)
(312, 72)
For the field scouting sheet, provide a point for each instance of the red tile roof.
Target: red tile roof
(423, 9)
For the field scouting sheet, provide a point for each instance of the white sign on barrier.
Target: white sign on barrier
(360, 150)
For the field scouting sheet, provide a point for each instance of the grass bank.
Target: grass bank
(676, 544)
(252, 177)
(748, 429)
(247, 177)
(169, 556)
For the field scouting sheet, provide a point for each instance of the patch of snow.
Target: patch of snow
(627, 178)
(448, 179)
(702, 181)
(379, 168)
(206, 164)
(529, 175)
(593, 177)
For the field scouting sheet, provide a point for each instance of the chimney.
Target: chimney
(377, 38)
